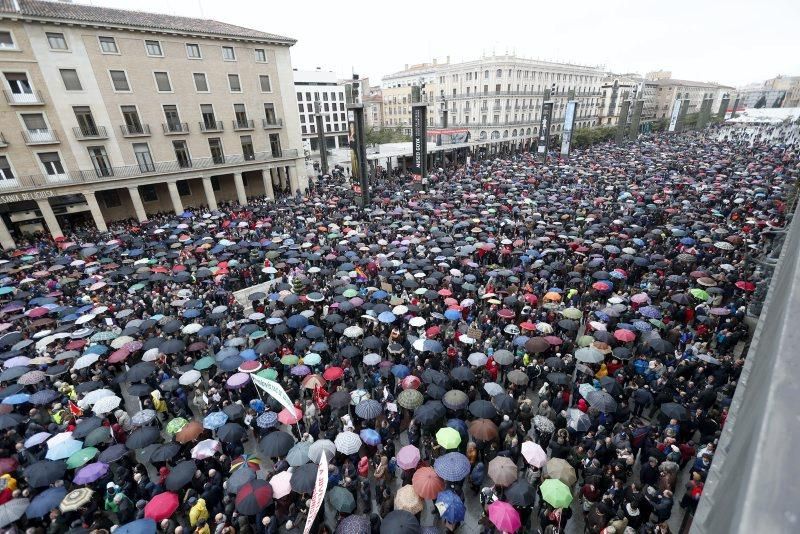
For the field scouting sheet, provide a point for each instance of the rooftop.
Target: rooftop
(689, 83)
(63, 11)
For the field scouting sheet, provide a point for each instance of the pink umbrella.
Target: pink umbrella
(640, 298)
(281, 484)
(534, 454)
(504, 517)
(624, 335)
(408, 457)
(288, 418)
(237, 380)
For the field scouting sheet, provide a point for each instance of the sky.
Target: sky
(734, 42)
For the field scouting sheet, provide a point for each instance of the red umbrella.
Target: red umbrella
(118, 355)
(333, 373)
(76, 344)
(445, 292)
(288, 418)
(433, 331)
(745, 285)
(427, 483)
(253, 497)
(624, 335)
(530, 298)
(527, 325)
(162, 506)
(505, 313)
(554, 340)
(410, 382)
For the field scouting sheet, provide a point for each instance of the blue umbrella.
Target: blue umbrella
(452, 467)
(47, 500)
(297, 322)
(267, 420)
(459, 425)
(248, 354)
(96, 349)
(451, 507)
(388, 317)
(650, 312)
(370, 437)
(642, 326)
(45, 396)
(215, 420)
(400, 371)
(64, 449)
(207, 331)
(687, 241)
(230, 363)
(140, 526)
(19, 398)
(380, 294)
(520, 341)
(452, 315)
(192, 313)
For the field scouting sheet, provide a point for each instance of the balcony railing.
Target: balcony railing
(24, 99)
(142, 170)
(40, 137)
(518, 93)
(211, 126)
(245, 124)
(271, 124)
(3, 142)
(135, 130)
(175, 128)
(84, 134)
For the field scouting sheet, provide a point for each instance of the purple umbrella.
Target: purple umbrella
(650, 312)
(300, 370)
(90, 473)
(237, 380)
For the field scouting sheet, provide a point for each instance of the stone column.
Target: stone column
(49, 217)
(240, 193)
(94, 207)
(211, 198)
(177, 205)
(266, 174)
(282, 177)
(6, 241)
(138, 207)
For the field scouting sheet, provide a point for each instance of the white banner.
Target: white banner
(320, 487)
(676, 109)
(569, 123)
(275, 390)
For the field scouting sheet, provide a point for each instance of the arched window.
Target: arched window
(482, 135)
(514, 132)
(495, 134)
(528, 131)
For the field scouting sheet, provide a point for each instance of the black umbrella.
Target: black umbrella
(432, 376)
(462, 374)
(44, 472)
(140, 371)
(661, 346)
(504, 403)
(559, 379)
(86, 387)
(482, 409)
(180, 475)
(430, 414)
(520, 493)
(231, 433)
(142, 437)
(234, 411)
(10, 420)
(400, 522)
(435, 391)
(239, 478)
(303, 478)
(165, 452)
(672, 410)
(139, 390)
(339, 399)
(276, 443)
(555, 363)
(113, 453)
(172, 346)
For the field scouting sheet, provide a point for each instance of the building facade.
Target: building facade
(616, 88)
(497, 97)
(669, 90)
(322, 87)
(111, 114)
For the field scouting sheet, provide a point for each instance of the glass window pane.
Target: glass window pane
(71, 80)
(162, 82)
(56, 41)
(108, 45)
(120, 80)
(233, 81)
(200, 82)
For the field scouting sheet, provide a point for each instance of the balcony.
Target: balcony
(135, 171)
(89, 134)
(245, 124)
(175, 128)
(272, 124)
(135, 130)
(211, 126)
(40, 137)
(3, 142)
(24, 99)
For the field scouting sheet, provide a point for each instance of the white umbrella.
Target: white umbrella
(417, 322)
(477, 359)
(347, 442)
(84, 318)
(192, 328)
(319, 447)
(94, 396)
(353, 332)
(85, 361)
(205, 449)
(106, 404)
(189, 377)
(150, 355)
(121, 341)
(372, 359)
(544, 328)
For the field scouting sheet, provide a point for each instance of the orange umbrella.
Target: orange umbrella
(427, 483)
(189, 432)
(483, 429)
(313, 381)
(552, 295)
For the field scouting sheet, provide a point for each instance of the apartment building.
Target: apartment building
(323, 87)
(616, 88)
(111, 114)
(668, 90)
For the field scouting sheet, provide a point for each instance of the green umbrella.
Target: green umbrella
(258, 334)
(289, 359)
(410, 399)
(421, 291)
(449, 438)
(585, 341)
(657, 324)
(312, 359)
(556, 493)
(572, 313)
(135, 287)
(269, 374)
(204, 363)
(350, 293)
(699, 294)
(174, 426)
(105, 335)
(81, 457)
(98, 435)
(341, 500)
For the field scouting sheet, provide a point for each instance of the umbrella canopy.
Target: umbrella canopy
(452, 466)
(427, 484)
(504, 516)
(503, 471)
(162, 506)
(253, 497)
(180, 475)
(521, 493)
(276, 443)
(341, 499)
(407, 499)
(45, 501)
(400, 522)
(75, 499)
(12, 510)
(556, 493)
(561, 470)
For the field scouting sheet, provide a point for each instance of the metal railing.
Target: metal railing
(134, 130)
(518, 93)
(40, 137)
(211, 126)
(270, 124)
(142, 170)
(499, 124)
(175, 128)
(246, 124)
(96, 132)
(24, 99)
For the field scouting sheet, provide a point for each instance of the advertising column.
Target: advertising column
(544, 130)
(622, 124)
(569, 125)
(637, 117)
(673, 120)
(419, 138)
(355, 137)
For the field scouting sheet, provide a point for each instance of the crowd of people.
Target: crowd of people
(518, 346)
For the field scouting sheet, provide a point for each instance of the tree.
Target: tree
(385, 135)
(584, 137)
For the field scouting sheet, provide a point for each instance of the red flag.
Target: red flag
(74, 410)
(321, 397)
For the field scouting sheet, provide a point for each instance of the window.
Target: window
(183, 188)
(266, 86)
(217, 154)
(163, 84)
(83, 114)
(275, 144)
(153, 48)
(34, 122)
(144, 159)
(110, 198)
(6, 40)
(51, 163)
(20, 86)
(324, 97)
(148, 193)
(486, 75)
(108, 45)
(119, 80)
(228, 54)
(182, 154)
(269, 114)
(308, 96)
(100, 161)
(132, 122)
(200, 82)
(261, 55)
(240, 114)
(233, 82)
(247, 148)
(209, 120)
(215, 183)
(172, 117)
(5, 169)
(70, 79)
(193, 51)
(56, 41)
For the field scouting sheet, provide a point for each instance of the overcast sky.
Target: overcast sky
(733, 42)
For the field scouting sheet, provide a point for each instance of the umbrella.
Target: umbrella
(556, 493)
(165, 452)
(534, 454)
(239, 478)
(62, 449)
(602, 401)
(341, 499)
(12, 510)
(410, 399)
(81, 457)
(304, 478)
(577, 420)
(180, 475)
(91, 473)
(452, 466)
(449, 438)
(503, 471)
(408, 457)
(142, 437)
(44, 502)
(517, 377)
(189, 432)
(277, 443)
(140, 526)
(205, 449)
(370, 437)
(162, 506)
(298, 455)
(347, 442)
(672, 410)
(504, 516)
(589, 355)
(400, 522)
(483, 429)
(253, 497)
(175, 425)
(215, 420)
(368, 409)
(483, 409)
(455, 399)
(427, 484)
(407, 499)
(356, 524)
(75, 499)
(561, 470)
(44, 472)
(521, 493)
(113, 453)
